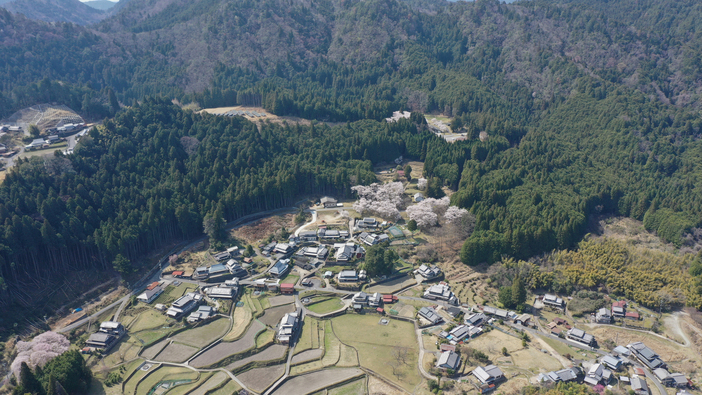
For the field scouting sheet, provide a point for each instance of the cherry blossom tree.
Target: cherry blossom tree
(426, 213)
(383, 200)
(422, 184)
(39, 350)
(461, 220)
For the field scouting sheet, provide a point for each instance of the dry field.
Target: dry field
(241, 317)
(176, 352)
(151, 352)
(225, 349)
(393, 286)
(261, 378)
(275, 351)
(281, 300)
(307, 356)
(316, 381)
(205, 334)
(211, 383)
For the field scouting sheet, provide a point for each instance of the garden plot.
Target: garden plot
(176, 352)
(212, 383)
(226, 349)
(309, 338)
(146, 320)
(273, 315)
(281, 300)
(535, 360)
(205, 334)
(376, 343)
(316, 381)
(261, 378)
(276, 351)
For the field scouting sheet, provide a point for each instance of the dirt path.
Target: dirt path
(673, 322)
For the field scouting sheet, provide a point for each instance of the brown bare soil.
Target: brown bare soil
(151, 352)
(262, 378)
(281, 300)
(377, 387)
(256, 231)
(307, 356)
(225, 349)
(273, 315)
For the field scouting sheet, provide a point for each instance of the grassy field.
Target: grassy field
(130, 385)
(185, 389)
(375, 344)
(127, 349)
(331, 346)
(213, 382)
(164, 373)
(176, 352)
(309, 330)
(393, 285)
(265, 338)
(326, 306)
(172, 293)
(149, 319)
(205, 334)
(352, 388)
(242, 317)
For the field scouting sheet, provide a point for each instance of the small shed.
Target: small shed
(287, 288)
(380, 310)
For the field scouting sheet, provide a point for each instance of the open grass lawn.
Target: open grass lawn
(205, 334)
(130, 385)
(331, 346)
(326, 306)
(375, 343)
(151, 337)
(491, 343)
(126, 349)
(290, 279)
(149, 319)
(164, 373)
(560, 347)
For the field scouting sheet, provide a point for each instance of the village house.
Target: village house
(441, 291)
(430, 315)
(453, 311)
(677, 380)
(280, 268)
(448, 360)
(418, 197)
(523, 319)
(647, 356)
(563, 375)
(372, 238)
(619, 309)
(283, 249)
(348, 276)
(603, 316)
(107, 336)
(221, 292)
(429, 273)
(459, 333)
(236, 270)
(375, 300)
(150, 295)
(360, 298)
(202, 313)
(328, 234)
(289, 326)
(320, 252)
(218, 270)
(308, 235)
(348, 251)
(368, 223)
(498, 313)
(201, 273)
(328, 202)
(639, 386)
(611, 362)
(597, 374)
(184, 305)
(553, 301)
(490, 374)
(580, 336)
(222, 256)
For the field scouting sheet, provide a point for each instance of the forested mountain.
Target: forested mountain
(589, 107)
(56, 11)
(103, 5)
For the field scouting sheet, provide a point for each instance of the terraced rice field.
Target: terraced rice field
(261, 378)
(276, 351)
(176, 352)
(316, 381)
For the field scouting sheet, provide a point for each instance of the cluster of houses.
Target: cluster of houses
(472, 327)
(429, 272)
(350, 276)
(107, 336)
(42, 143)
(489, 376)
(228, 290)
(362, 299)
(659, 368)
(618, 311)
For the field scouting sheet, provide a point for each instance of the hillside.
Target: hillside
(72, 11)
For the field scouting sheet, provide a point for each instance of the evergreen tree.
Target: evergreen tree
(408, 172)
(518, 292)
(122, 265)
(412, 225)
